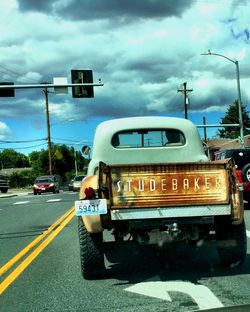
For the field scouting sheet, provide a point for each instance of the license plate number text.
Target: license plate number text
(90, 207)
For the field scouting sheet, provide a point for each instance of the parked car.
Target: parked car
(76, 183)
(4, 183)
(241, 157)
(70, 185)
(46, 184)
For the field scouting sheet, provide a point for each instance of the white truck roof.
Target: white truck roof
(103, 149)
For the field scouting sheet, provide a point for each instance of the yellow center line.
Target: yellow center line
(26, 262)
(24, 251)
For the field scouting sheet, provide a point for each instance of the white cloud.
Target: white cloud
(142, 55)
(5, 131)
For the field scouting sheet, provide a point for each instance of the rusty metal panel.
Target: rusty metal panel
(164, 185)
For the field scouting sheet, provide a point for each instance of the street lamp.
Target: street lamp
(48, 129)
(239, 93)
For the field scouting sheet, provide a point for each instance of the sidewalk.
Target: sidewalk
(16, 192)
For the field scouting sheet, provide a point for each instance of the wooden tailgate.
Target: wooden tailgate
(163, 185)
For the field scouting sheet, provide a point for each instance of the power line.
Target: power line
(25, 147)
(25, 141)
(67, 140)
(9, 70)
(13, 73)
(223, 2)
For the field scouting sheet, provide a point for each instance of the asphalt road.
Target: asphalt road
(48, 278)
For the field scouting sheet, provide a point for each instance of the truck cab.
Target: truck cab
(145, 140)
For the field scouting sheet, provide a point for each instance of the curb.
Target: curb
(8, 195)
(14, 194)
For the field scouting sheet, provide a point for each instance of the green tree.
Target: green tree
(22, 178)
(232, 117)
(11, 159)
(39, 162)
(82, 162)
(63, 161)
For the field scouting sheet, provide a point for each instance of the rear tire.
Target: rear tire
(231, 242)
(245, 173)
(91, 252)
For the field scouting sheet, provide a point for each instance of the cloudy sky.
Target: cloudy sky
(143, 50)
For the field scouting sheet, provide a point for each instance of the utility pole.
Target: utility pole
(48, 129)
(185, 91)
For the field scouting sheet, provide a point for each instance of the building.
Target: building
(222, 144)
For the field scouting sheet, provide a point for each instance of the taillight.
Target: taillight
(246, 186)
(238, 172)
(89, 192)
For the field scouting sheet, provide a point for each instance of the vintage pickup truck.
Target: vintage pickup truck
(150, 179)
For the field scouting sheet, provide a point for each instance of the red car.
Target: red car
(46, 184)
(241, 158)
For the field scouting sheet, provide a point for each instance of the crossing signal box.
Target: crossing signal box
(7, 92)
(82, 76)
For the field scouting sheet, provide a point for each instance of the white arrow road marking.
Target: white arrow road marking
(248, 234)
(21, 202)
(151, 289)
(202, 295)
(53, 200)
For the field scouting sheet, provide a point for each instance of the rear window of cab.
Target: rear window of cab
(146, 138)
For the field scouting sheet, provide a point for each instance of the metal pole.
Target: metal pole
(48, 129)
(240, 105)
(75, 155)
(205, 129)
(75, 160)
(239, 94)
(50, 85)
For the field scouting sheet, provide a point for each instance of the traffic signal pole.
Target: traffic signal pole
(45, 86)
(50, 85)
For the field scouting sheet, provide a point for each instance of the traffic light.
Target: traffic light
(82, 76)
(7, 92)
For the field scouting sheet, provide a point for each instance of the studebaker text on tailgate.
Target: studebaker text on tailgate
(154, 186)
(171, 184)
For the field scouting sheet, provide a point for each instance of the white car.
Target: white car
(77, 181)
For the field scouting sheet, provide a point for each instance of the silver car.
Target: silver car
(77, 181)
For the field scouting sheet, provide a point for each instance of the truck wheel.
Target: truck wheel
(245, 173)
(231, 242)
(91, 252)
(4, 190)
